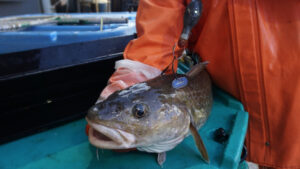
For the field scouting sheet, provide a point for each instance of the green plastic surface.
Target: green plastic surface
(68, 147)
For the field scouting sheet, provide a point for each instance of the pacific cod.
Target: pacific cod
(153, 116)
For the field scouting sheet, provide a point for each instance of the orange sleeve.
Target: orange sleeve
(159, 24)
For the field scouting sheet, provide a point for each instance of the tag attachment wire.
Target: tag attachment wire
(172, 63)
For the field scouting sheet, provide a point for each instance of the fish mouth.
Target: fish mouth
(109, 138)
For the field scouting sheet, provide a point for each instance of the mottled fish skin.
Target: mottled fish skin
(198, 98)
(168, 111)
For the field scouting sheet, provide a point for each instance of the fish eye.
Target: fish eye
(138, 110)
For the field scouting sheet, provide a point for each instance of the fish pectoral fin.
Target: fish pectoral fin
(161, 158)
(199, 143)
(195, 70)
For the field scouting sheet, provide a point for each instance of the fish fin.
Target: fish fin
(199, 143)
(196, 69)
(161, 158)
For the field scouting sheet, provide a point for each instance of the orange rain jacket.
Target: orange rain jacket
(253, 47)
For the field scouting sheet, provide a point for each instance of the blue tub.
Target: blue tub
(53, 35)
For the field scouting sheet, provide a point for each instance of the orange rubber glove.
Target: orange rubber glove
(128, 73)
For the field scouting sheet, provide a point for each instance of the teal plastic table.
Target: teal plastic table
(67, 147)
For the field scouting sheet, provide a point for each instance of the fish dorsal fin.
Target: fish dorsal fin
(199, 143)
(195, 70)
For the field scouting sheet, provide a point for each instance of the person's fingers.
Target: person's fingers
(111, 88)
(129, 77)
(120, 81)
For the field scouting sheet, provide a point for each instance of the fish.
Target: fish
(154, 116)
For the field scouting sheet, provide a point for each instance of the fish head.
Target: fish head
(139, 116)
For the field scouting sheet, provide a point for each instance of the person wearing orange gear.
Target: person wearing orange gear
(253, 50)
